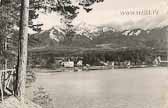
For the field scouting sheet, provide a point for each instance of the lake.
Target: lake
(116, 88)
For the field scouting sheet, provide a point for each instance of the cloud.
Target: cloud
(109, 13)
(48, 20)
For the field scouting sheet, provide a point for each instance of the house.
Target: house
(68, 64)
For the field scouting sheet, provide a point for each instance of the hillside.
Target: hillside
(102, 37)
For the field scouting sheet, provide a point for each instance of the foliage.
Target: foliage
(9, 28)
(10, 17)
(10, 14)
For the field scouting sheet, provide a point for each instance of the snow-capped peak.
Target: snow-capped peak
(86, 30)
(83, 27)
(59, 30)
(126, 33)
(52, 36)
(56, 34)
(105, 29)
(131, 33)
(137, 33)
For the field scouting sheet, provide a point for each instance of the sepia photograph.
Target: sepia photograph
(83, 53)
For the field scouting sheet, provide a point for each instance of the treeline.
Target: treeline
(95, 58)
(137, 56)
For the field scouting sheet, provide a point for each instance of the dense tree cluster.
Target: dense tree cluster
(95, 58)
(136, 56)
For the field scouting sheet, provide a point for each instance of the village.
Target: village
(95, 61)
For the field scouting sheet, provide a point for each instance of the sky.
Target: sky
(144, 14)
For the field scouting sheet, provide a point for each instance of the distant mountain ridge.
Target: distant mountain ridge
(104, 37)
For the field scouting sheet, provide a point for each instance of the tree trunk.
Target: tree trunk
(22, 50)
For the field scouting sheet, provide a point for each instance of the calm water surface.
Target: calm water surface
(119, 88)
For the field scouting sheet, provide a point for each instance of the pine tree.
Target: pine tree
(10, 20)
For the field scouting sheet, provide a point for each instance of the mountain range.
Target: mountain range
(101, 37)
